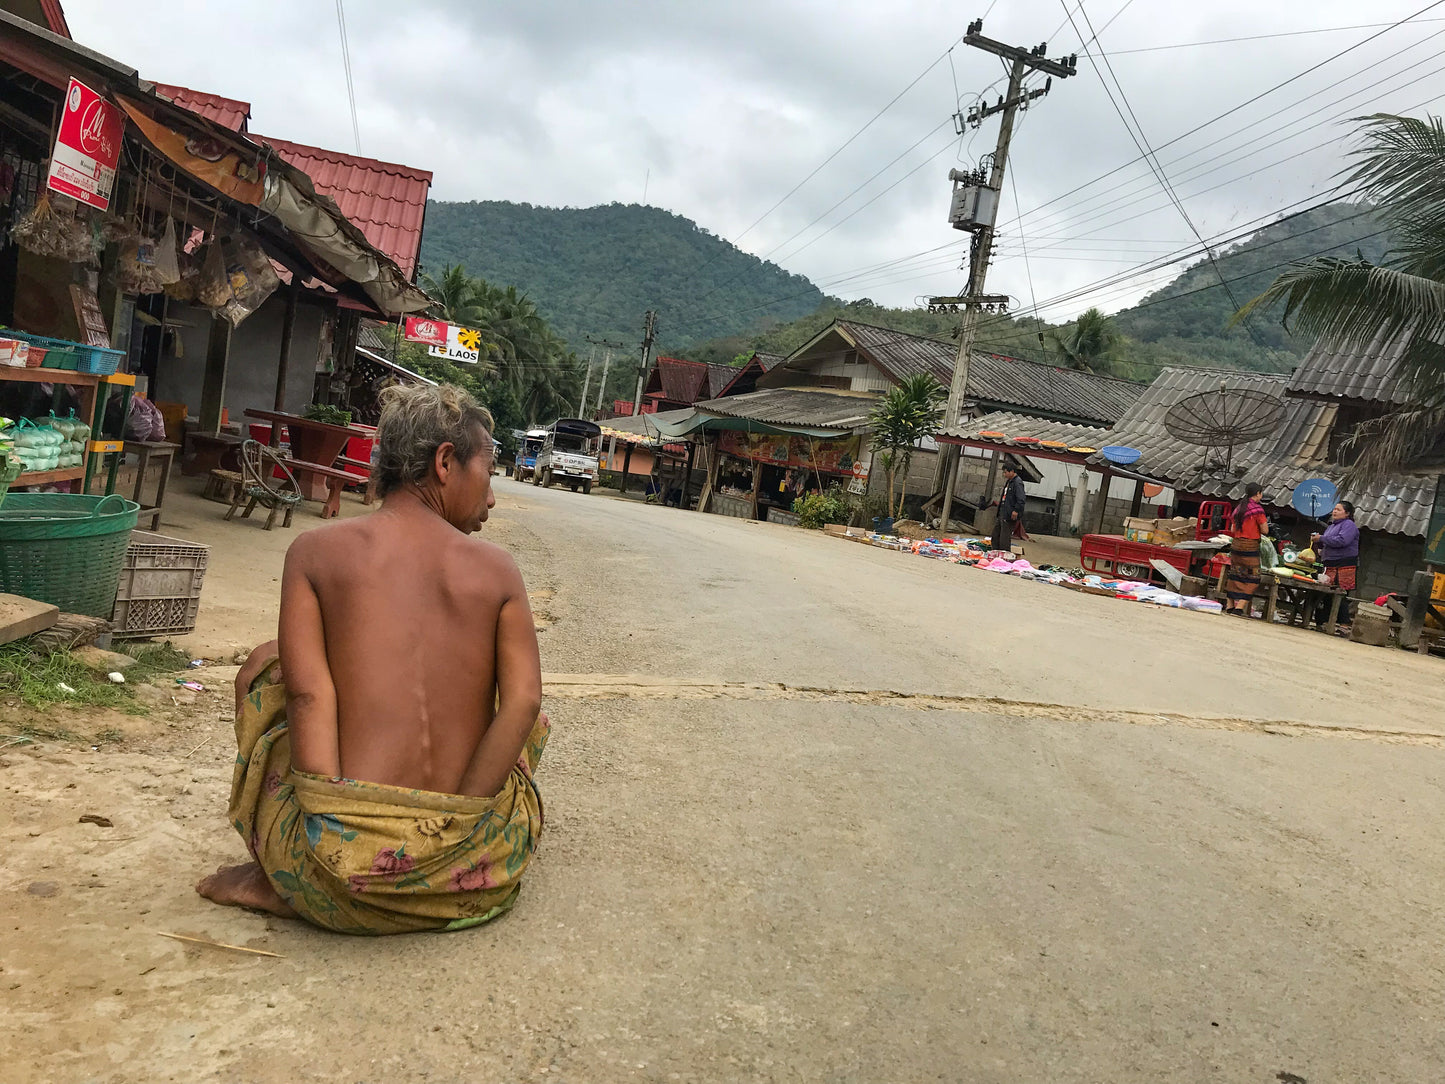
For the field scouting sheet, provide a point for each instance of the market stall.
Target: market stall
(772, 446)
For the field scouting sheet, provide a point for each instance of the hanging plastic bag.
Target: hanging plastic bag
(136, 268)
(251, 276)
(213, 288)
(167, 262)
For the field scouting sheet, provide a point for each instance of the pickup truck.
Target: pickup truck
(568, 455)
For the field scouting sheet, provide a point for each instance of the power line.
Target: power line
(1142, 142)
(845, 145)
(1118, 199)
(1234, 109)
(346, 63)
(1259, 37)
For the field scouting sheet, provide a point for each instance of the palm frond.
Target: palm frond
(1400, 165)
(1394, 441)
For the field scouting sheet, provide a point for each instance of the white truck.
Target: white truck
(569, 455)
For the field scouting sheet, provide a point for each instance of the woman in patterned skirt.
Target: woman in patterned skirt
(1249, 526)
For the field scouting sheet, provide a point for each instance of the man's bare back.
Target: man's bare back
(413, 614)
(408, 658)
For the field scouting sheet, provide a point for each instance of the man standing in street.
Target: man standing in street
(1010, 508)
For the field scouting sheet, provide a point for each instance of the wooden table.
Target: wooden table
(1300, 597)
(312, 442)
(165, 455)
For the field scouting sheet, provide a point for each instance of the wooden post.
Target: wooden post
(1417, 605)
(988, 491)
(213, 389)
(626, 466)
(283, 360)
(757, 482)
(714, 458)
(687, 475)
(1104, 480)
(1138, 500)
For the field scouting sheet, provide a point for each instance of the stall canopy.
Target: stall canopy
(643, 429)
(1021, 434)
(298, 226)
(804, 412)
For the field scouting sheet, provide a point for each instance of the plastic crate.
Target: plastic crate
(160, 586)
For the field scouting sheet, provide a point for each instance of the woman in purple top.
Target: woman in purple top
(1338, 549)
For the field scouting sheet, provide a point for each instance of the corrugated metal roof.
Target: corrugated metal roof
(996, 378)
(234, 114)
(719, 376)
(387, 201)
(1369, 374)
(1298, 450)
(809, 407)
(1013, 426)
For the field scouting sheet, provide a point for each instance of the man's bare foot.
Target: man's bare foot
(243, 886)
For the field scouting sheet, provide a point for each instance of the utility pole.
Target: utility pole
(975, 208)
(607, 348)
(649, 334)
(586, 382)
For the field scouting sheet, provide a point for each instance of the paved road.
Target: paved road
(823, 813)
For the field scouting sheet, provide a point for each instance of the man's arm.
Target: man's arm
(310, 692)
(519, 691)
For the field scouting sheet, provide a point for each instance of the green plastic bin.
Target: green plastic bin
(66, 549)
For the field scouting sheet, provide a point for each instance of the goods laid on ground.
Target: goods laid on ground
(977, 552)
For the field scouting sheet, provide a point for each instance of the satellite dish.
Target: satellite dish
(1120, 454)
(1224, 419)
(1314, 497)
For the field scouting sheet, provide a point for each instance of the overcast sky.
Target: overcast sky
(730, 105)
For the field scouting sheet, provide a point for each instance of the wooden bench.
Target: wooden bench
(369, 478)
(336, 480)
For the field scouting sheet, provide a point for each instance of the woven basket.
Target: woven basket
(66, 549)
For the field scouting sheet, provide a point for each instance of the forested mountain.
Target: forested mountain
(1184, 323)
(596, 270)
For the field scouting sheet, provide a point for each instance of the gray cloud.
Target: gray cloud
(730, 105)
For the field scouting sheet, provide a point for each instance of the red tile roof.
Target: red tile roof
(226, 111)
(387, 201)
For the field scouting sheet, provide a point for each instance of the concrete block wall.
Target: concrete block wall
(1387, 562)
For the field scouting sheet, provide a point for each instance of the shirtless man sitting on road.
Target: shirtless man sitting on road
(387, 784)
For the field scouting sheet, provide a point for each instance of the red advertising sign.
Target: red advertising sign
(87, 147)
(421, 329)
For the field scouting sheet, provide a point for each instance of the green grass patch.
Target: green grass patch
(42, 682)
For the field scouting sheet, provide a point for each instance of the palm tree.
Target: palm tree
(1397, 306)
(909, 412)
(1089, 340)
(455, 294)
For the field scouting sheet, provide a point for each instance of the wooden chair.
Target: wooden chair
(258, 463)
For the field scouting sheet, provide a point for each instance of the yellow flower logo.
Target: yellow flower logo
(469, 339)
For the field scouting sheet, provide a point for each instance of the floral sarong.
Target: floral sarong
(368, 858)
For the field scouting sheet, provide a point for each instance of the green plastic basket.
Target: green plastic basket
(66, 549)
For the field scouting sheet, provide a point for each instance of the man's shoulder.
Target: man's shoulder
(327, 542)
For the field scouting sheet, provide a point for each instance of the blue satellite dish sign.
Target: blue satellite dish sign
(1118, 453)
(1314, 497)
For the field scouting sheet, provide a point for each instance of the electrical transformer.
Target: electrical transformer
(974, 207)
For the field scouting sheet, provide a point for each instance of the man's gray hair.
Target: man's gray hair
(416, 421)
